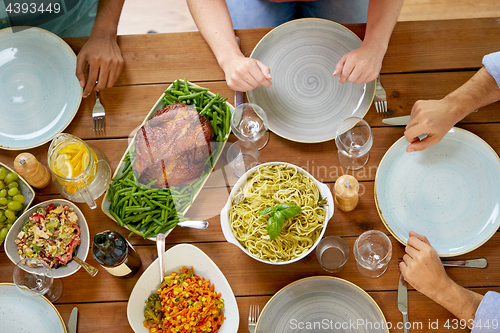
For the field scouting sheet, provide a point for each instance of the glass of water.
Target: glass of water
(249, 123)
(242, 156)
(332, 253)
(373, 251)
(354, 140)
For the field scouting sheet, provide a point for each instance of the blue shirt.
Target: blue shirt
(67, 18)
(488, 313)
(492, 64)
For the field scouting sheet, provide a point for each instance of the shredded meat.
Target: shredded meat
(172, 146)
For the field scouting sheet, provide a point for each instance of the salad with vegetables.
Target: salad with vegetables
(51, 234)
(184, 303)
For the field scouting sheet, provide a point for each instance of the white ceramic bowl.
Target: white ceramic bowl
(83, 248)
(182, 255)
(324, 191)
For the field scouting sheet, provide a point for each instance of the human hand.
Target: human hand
(422, 267)
(105, 61)
(244, 74)
(359, 66)
(432, 117)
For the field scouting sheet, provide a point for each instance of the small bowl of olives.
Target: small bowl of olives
(16, 196)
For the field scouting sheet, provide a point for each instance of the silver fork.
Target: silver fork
(252, 317)
(98, 114)
(380, 97)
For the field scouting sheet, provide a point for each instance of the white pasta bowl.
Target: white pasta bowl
(81, 252)
(324, 191)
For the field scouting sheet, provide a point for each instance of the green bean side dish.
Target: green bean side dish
(147, 211)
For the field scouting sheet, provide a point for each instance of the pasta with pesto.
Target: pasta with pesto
(268, 186)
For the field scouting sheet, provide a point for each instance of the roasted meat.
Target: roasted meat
(172, 146)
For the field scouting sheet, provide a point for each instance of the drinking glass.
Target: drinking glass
(373, 251)
(354, 140)
(332, 253)
(249, 123)
(33, 277)
(242, 156)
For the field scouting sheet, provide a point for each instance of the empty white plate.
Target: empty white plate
(449, 192)
(321, 304)
(306, 103)
(20, 313)
(40, 93)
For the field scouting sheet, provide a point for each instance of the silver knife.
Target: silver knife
(476, 263)
(398, 121)
(401, 121)
(73, 320)
(403, 301)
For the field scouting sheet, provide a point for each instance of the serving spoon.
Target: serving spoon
(193, 224)
(160, 240)
(160, 247)
(87, 267)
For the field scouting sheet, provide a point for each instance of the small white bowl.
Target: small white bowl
(182, 255)
(324, 191)
(83, 248)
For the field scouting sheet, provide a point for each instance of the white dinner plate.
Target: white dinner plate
(20, 313)
(182, 255)
(40, 93)
(306, 103)
(321, 304)
(449, 192)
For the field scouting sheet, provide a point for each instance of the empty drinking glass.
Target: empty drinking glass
(242, 156)
(354, 140)
(332, 253)
(373, 251)
(33, 277)
(249, 123)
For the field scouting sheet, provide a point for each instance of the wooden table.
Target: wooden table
(425, 60)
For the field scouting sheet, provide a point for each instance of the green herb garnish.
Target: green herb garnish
(280, 212)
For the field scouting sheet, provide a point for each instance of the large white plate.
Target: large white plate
(182, 255)
(321, 304)
(449, 192)
(306, 103)
(20, 313)
(40, 93)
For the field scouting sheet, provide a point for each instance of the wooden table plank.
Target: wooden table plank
(248, 277)
(435, 45)
(414, 47)
(133, 103)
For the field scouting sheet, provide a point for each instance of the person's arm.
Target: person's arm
(214, 22)
(422, 268)
(436, 117)
(101, 52)
(363, 64)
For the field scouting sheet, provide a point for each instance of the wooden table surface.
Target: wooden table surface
(425, 60)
